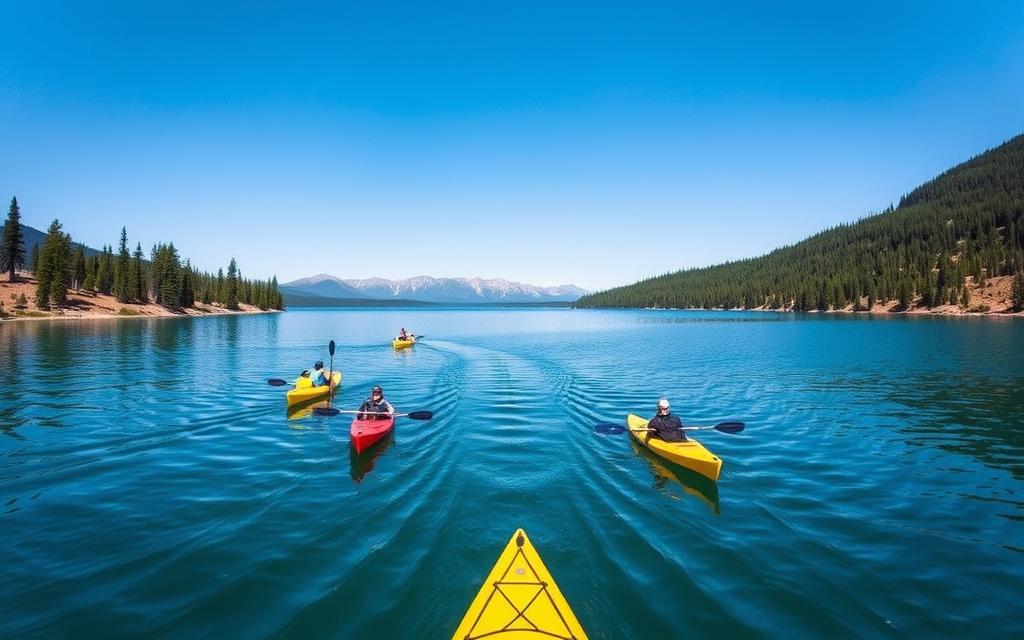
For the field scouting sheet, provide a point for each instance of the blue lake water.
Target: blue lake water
(153, 484)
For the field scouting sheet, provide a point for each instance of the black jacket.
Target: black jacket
(371, 409)
(668, 428)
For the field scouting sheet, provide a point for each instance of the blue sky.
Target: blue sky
(591, 143)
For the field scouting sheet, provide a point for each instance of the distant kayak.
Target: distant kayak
(304, 391)
(689, 454)
(403, 344)
(519, 599)
(365, 433)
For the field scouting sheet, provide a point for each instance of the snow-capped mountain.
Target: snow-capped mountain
(429, 289)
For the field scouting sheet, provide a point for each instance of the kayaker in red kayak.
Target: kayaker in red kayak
(664, 425)
(375, 407)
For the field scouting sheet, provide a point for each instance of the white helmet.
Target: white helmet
(663, 403)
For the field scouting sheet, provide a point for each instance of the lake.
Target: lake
(154, 485)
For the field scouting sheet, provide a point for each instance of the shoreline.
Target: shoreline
(139, 316)
(89, 306)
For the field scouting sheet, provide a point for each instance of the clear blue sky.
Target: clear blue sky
(545, 142)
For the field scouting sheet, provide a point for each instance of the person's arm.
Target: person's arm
(391, 409)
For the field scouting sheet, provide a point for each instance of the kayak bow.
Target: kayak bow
(519, 600)
(367, 432)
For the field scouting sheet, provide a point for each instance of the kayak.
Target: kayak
(366, 432)
(304, 391)
(519, 600)
(403, 344)
(690, 454)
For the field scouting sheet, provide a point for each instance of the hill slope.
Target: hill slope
(936, 248)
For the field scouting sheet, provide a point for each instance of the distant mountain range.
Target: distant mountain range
(323, 289)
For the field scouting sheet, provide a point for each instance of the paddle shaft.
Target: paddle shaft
(330, 375)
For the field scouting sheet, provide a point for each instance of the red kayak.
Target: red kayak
(366, 432)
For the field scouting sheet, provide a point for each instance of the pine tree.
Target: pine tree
(12, 249)
(905, 294)
(231, 287)
(186, 297)
(1018, 292)
(79, 269)
(219, 293)
(121, 281)
(54, 268)
(138, 276)
(35, 260)
(965, 298)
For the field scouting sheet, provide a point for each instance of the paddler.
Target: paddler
(375, 407)
(664, 425)
(318, 377)
(402, 335)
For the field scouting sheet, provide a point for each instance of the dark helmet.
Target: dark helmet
(319, 364)
(377, 391)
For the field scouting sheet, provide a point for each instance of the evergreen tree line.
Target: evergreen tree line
(164, 279)
(942, 241)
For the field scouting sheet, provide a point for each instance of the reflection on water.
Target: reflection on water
(978, 417)
(362, 463)
(304, 409)
(665, 473)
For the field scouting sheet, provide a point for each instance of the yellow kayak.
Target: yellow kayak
(304, 391)
(690, 454)
(519, 600)
(403, 344)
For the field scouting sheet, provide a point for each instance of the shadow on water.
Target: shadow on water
(362, 463)
(693, 484)
(978, 418)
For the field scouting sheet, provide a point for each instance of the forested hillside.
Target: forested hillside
(936, 248)
(59, 265)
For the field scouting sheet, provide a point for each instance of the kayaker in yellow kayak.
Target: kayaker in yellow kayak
(318, 377)
(375, 407)
(402, 335)
(664, 425)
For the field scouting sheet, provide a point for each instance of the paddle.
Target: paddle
(724, 427)
(414, 415)
(278, 382)
(330, 375)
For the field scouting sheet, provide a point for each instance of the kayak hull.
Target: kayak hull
(306, 394)
(366, 433)
(691, 454)
(519, 600)
(402, 344)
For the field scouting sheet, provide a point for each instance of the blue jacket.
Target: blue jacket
(318, 378)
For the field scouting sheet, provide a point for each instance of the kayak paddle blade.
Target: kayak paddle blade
(730, 427)
(276, 382)
(609, 428)
(325, 411)
(330, 348)
(421, 415)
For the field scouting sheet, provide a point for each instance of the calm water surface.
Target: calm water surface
(877, 492)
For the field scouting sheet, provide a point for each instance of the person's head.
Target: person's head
(377, 393)
(664, 408)
(319, 365)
